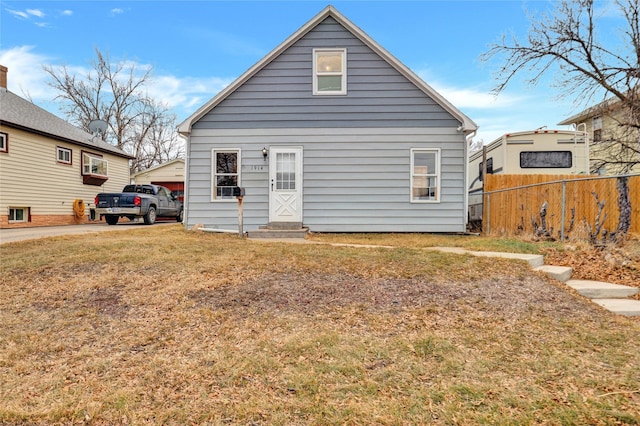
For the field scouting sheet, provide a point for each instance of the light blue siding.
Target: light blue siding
(355, 180)
(356, 148)
(280, 95)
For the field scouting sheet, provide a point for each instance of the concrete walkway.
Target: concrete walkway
(25, 234)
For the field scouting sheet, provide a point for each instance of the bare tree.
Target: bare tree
(114, 92)
(588, 68)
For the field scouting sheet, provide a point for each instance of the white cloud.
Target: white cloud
(36, 12)
(26, 77)
(18, 13)
(116, 11)
(67, 12)
(185, 95)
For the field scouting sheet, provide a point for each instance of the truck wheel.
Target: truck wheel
(180, 216)
(150, 217)
(111, 220)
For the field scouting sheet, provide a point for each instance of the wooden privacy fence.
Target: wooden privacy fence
(570, 206)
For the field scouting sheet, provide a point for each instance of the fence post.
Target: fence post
(563, 207)
(488, 213)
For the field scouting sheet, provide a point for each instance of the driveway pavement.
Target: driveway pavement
(23, 234)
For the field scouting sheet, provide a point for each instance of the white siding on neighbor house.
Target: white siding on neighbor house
(354, 180)
(281, 94)
(30, 175)
(172, 172)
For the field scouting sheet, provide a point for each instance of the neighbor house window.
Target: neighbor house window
(18, 214)
(425, 175)
(4, 142)
(597, 128)
(330, 71)
(489, 168)
(546, 159)
(63, 155)
(226, 173)
(94, 165)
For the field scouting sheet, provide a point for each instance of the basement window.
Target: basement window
(18, 214)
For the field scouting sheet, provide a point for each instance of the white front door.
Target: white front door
(285, 184)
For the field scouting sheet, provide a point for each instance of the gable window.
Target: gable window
(226, 173)
(63, 155)
(425, 175)
(4, 142)
(597, 128)
(18, 214)
(329, 71)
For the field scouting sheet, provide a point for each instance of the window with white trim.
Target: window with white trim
(63, 155)
(225, 173)
(4, 142)
(94, 165)
(425, 175)
(329, 71)
(18, 214)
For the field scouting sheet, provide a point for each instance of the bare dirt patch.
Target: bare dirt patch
(311, 293)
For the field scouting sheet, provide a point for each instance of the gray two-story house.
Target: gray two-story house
(331, 132)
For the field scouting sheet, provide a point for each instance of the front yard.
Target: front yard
(164, 326)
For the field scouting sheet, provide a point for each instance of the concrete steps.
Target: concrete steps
(602, 290)
(613, 297)
(280, 230)
(626, 307)
(560, 273)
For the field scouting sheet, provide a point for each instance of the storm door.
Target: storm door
(285, 184)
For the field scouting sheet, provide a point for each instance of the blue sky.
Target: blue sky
(198, 47)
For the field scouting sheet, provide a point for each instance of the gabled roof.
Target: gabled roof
(159, 166)
(19, 113)
(607, 105)
(468, 125)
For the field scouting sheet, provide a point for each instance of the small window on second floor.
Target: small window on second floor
(330, 71)
(63, 155)
(597, 128)
(4, 142)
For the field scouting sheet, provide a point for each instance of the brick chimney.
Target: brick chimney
(3, 77)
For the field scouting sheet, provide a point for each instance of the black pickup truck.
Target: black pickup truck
(146, 201)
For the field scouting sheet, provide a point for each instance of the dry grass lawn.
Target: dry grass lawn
(164, 326)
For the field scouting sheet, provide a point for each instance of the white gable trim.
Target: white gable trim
(468, 126)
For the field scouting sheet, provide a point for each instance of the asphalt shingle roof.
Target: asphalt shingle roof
(18, 112)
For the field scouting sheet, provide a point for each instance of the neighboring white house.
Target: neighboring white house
(538, 151)
(613, 149)
(169, 175)
(331, 132)
(50, 171)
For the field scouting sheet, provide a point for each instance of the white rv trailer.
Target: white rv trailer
(529, 152)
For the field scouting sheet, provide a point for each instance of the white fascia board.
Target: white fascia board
(468, 126)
